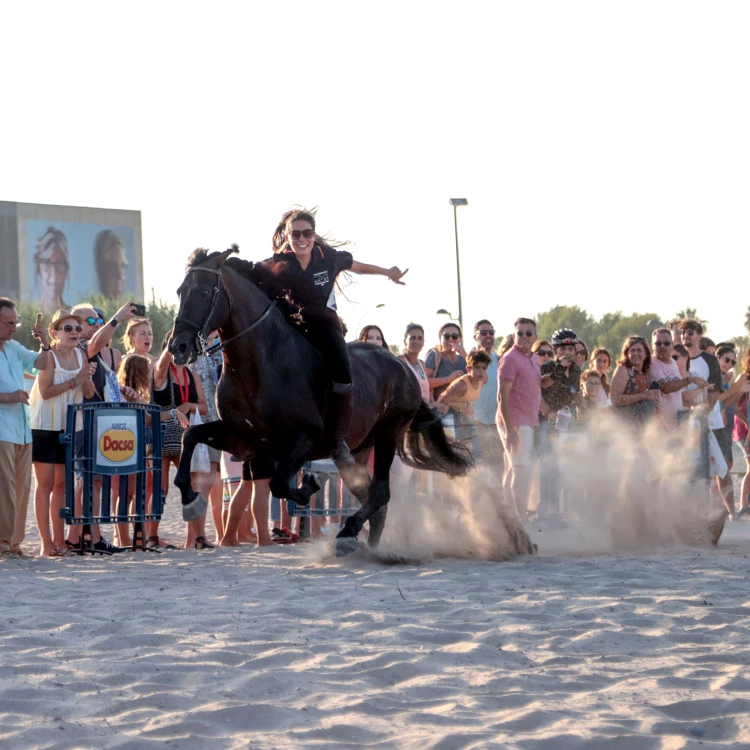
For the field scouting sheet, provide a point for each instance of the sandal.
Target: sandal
(202, 543)
(284, 536)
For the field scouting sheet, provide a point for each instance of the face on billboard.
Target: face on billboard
(69, 261)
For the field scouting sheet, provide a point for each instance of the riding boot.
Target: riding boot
(342, 406)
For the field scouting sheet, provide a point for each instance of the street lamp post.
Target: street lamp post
(456, 202)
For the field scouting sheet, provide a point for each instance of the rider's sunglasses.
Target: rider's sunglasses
(68, 328)
(94, 321)
(308, 234)
(454, 336)
(487, 332)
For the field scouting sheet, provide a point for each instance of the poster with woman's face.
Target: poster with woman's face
(69, 261)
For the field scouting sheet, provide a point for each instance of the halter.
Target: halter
(200, 340)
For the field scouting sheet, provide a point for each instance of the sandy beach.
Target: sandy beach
(288, 648)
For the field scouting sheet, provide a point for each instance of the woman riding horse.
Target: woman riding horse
(304, 268)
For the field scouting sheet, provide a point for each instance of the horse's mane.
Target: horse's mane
(248, 270)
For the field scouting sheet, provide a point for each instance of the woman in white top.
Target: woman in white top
(54, 389)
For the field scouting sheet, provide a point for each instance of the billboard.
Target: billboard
(68, 260)
(58, 256)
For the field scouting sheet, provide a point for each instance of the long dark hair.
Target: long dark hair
(632, 341)
(299, 213)
(363, 334)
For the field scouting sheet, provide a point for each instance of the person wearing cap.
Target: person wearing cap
(15, 426)
(65, 383)
(561, 388)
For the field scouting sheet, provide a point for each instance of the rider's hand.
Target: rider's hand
(395, 274)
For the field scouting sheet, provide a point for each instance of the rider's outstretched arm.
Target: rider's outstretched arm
(394, 274)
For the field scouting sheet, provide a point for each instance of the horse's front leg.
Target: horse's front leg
(288, 467)
(218, 435)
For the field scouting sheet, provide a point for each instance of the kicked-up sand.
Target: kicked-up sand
(288, 648)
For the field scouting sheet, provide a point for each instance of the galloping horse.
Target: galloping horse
(273, 393)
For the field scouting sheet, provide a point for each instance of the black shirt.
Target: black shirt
(311, 288)
(564, 387)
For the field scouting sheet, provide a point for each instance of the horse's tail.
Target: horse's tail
(426, 446)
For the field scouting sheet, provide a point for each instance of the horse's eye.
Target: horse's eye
(204, 292)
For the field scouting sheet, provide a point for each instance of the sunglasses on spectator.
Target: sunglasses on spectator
(454, 336)
(729, 359)
(525, 333)
(662, 343)
(94, 321)
(545, 353)
(487, 332)
(308, 234)
(69, 328)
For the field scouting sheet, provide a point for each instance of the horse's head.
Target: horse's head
(204, 305)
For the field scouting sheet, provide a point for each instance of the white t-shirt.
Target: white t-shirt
(699, 367)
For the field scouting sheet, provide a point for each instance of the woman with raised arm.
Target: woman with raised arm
(304, 268)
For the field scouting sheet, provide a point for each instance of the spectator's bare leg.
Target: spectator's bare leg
(260, 507)
(215, 501)
(521, 488)
(57, 503)
(237, 505)
(45, 482)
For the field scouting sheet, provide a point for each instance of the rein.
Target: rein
(221, 345)
(214, 299)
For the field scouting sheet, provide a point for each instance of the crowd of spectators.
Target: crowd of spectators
(508, 404)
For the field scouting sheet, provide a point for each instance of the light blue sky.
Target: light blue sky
(602, 146)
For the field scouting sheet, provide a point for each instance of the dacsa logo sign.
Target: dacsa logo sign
(117, 444)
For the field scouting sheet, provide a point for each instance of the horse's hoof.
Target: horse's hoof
(194, 509)
(346, 545)
(310, 480)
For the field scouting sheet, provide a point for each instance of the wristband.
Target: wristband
(114, 323)
(46, 348)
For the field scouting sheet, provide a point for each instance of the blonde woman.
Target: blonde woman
(138, 339)
(54, 390)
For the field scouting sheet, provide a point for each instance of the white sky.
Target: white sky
(603, 147)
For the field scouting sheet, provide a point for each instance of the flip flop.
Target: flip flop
(284, 536)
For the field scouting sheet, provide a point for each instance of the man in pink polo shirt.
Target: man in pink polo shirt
(519, 396)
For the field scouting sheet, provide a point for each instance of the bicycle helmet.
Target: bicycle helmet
(564, 337)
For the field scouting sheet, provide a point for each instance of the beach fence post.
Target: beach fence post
(108, 445)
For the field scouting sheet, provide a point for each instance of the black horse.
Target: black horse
(273, 393)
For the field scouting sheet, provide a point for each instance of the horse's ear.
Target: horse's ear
(222, 258)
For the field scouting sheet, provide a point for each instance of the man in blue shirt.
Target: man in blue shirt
(15, 427)
(485, 409)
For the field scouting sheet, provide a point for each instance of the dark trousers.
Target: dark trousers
(324, 333)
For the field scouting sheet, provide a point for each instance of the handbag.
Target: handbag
(172, 429)
(201, 462)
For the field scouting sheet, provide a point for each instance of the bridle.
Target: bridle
(200, 340)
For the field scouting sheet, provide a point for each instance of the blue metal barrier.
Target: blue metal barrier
(106, 440)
